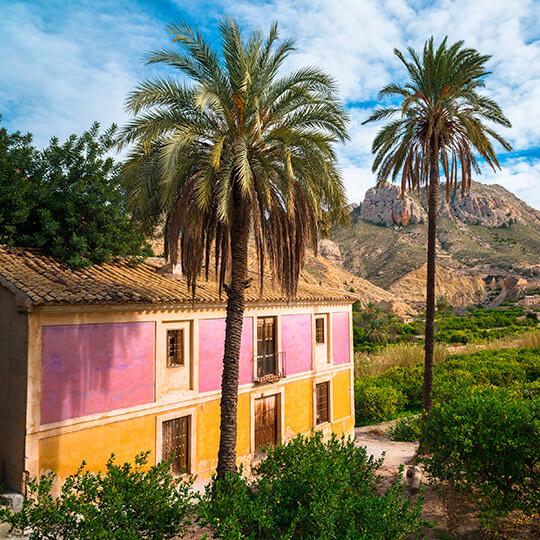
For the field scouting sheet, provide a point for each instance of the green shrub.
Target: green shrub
(313, 490)
(487, 441)
(406, 429)
(374, 404)
(407, 380)
(125, 503)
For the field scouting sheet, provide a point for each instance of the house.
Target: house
(121, 358)
(531, 300)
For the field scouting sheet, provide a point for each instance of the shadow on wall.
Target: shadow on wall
(94, 368)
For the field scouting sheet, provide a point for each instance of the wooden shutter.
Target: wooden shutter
(319, 330)
(322, 402)
(266, 422)
(175, 440)
(266, 346)
(175, 347)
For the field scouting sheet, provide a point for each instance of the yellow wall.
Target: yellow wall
(298, 407)
(64, 453)
(341, 394)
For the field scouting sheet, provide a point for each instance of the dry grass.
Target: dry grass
(530, 338)
(400, 355)
(407, 354)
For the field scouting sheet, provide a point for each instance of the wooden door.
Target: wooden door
(266, 422)
(176, 441)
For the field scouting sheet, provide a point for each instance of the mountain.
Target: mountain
(489, 231)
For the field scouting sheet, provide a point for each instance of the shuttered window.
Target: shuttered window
(322, 402)
(175, 347)
(175, 441)
(266, 422)
(319, 330)
(266, 346)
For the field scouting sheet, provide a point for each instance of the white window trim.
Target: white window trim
(319, 380)
(187, 327)
(191, 412)
(280, 392)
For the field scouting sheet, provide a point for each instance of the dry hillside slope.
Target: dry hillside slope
(457, 289)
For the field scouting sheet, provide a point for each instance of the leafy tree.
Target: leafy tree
(66, 199)
(242, 149)
(126, 502)
(310, 488)
(442, 123)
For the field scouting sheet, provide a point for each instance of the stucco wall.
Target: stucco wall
(211, 347)
(94, 368)
(341, 338)
(13, 372)
(296, 342)
(64, 453)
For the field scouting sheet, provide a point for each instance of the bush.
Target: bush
(125, 503)
(406, 429)
(374, 404)
(487, 441)
(310, 489)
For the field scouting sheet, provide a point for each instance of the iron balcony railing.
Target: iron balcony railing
(270, 368)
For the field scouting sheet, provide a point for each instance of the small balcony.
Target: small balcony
(269, 368)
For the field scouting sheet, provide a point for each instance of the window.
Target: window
(266, 422)
(319, 331)
(175, 347)
(266, 347)
(322, 403)
(175, 440)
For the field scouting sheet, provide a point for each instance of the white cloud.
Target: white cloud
(519, 176)
(354, 41)
(66, 64)
(58, 80)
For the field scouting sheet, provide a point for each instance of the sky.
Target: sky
(65, 64)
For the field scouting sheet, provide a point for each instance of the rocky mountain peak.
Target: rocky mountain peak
(384, 206)
(488, 205)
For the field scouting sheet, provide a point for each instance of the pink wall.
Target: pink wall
(296, 342)
(93, 368)
(211, 347)
(341, 344)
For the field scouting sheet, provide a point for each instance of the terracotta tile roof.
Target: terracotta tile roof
(43, 281)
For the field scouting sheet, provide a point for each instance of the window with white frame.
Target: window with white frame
(176, 347)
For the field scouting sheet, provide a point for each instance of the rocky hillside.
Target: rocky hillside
(459, 290)
(488, 231)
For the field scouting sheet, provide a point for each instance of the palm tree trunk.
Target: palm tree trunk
(431, 271)
(236, 292)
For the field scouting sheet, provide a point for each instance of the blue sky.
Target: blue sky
(65, 64)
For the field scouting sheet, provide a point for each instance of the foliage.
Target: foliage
(459, 374)
(487, 441)
(476, 325)
(310, 489)
(235, 141)
(126, 503)
(66, 199)
(406, 429)
(374, 404)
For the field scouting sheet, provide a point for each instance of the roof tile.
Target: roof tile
(46, 281)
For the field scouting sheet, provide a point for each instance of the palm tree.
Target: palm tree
(441, 123)
(239, 151)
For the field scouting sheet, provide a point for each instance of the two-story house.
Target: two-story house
(120, 358)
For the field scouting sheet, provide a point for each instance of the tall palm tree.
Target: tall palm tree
(235, 149)
(442, 123)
